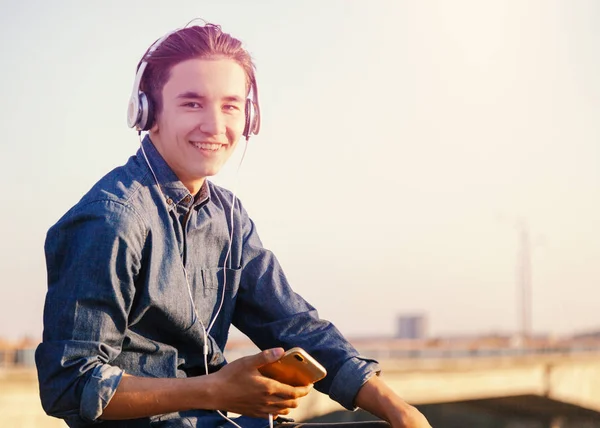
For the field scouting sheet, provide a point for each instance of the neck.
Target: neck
(193, 186)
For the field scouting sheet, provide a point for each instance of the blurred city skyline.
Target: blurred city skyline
(402, 144)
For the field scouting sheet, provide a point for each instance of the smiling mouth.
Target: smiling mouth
(206, 146)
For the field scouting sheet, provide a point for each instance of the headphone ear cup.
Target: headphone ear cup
(133, 111)
(249, 113)
(255, 124)
(146, 115)
(149, 106)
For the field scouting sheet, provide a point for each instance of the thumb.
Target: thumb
(267, 356)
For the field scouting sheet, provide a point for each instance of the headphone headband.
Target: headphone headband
(140, 111)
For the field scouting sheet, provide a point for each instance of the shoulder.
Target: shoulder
(117, 198)
(125, 184)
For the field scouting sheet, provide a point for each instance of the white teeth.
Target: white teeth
(206, 146)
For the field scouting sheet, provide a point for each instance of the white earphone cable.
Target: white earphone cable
(233, 201)
(206, 331)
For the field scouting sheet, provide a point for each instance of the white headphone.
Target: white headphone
(140, 115)
(140, 111)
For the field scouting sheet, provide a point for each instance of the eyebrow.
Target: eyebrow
(194, 95)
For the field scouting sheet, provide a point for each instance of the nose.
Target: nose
(213, 122)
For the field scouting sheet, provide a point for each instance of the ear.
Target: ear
(154, 129)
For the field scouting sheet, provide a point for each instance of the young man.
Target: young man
(149, 270)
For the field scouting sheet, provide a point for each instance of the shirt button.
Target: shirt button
(187, 199)
(169, 201)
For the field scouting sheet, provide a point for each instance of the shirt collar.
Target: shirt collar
(172, 188)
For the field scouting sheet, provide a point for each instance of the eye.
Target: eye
(192, 104)
(230, 107)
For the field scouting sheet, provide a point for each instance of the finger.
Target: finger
(304, 390)
(285, 405)
(280, 408)
(292, 392)
(281, 391)
(265, 357)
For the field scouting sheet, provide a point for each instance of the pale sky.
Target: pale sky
(401, 143)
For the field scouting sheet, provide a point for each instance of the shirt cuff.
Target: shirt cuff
(98, 391)
(353, 374)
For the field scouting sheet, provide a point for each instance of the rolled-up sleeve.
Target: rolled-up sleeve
(101, 386)
(350, 377)
(93, 256)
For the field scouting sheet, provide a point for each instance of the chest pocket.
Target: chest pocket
(219, 286)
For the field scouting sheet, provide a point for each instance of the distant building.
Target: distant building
(17, 353)
(588, 335)
(412, 327)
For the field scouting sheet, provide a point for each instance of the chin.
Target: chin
(208, 173)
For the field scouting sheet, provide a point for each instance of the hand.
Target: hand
(378, 398)
(240, 388)
(408, 417)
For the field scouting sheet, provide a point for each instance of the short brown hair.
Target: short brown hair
(207, 41)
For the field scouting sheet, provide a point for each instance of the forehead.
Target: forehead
(208, 77)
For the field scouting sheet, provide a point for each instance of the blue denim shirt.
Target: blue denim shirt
(118, 300)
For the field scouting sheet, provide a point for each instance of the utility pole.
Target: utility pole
(524, 289)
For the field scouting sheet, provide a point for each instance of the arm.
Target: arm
(93, 255)
(379, 399)
(272, 314)
(138, 397)
(238, 387)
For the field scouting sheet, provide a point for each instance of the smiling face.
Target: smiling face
(201, 119)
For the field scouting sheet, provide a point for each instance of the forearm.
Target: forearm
(138, 397)
(378, 398)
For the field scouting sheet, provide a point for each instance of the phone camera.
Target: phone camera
(299, 358)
